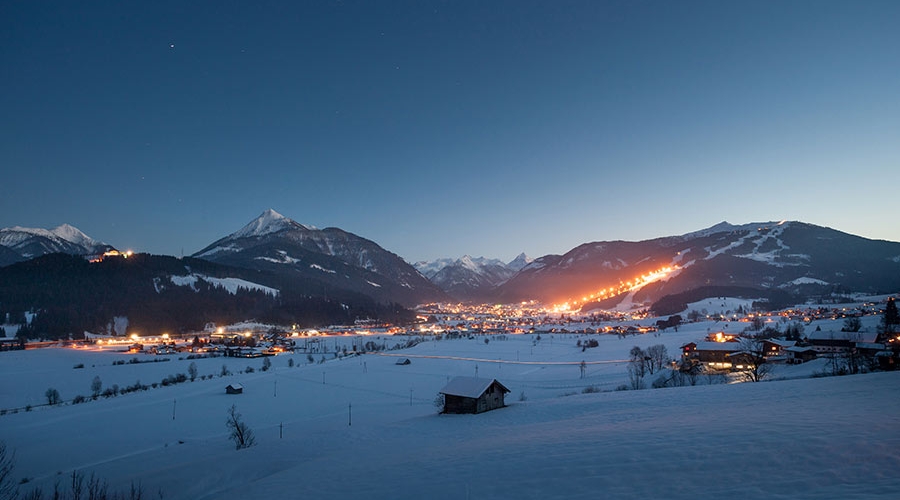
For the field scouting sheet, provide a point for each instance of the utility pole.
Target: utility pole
(174, 402)
(349, 414)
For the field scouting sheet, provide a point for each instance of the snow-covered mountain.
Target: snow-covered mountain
(332, 258)
(470, 278)
(788, 259)
(519, 262)
(23, 243)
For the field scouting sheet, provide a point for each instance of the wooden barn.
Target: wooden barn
(473, 395)
(234, 389)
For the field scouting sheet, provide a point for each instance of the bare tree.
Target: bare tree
(96, 386)
(240, 433)
(636, 376)
(192, 371)
(753, 359)
(658, 357)
(8, 489)
(52, 396)
(638, 361)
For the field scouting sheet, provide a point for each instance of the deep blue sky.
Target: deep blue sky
(443, 128)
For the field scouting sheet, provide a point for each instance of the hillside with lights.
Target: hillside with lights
(776, 262)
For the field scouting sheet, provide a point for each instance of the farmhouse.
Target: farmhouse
(473, 395)
(776, 348)
(713, 354)
(799, 354)
(827, 342)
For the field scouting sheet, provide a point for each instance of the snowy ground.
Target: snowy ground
(797, 438)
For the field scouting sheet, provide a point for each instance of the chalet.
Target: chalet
(234, 389)
(797, 354)
(687, 350)
(473, 395)
(716, 354)
(774, 348)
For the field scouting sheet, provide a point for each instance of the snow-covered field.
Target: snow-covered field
(365, 427)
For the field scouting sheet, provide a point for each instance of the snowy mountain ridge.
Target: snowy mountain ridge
(273, 242)
(470, 278)
(24, 243)
(768, 259)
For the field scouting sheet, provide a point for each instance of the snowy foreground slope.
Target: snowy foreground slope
(801, 438)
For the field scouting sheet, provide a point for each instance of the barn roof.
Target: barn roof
(868, 337)
(469, 387)
(719, 346)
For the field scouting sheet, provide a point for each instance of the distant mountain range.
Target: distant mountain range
(468, 278)
(287, 269)
(18, 244)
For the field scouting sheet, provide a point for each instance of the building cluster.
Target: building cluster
(733, 352)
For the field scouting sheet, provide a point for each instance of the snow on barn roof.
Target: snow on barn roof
(797, 348)
(469, 387)
(868, 337)
(719, 346)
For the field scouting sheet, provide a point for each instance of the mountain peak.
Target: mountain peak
(268, 222)
(519, 262)
(74, 235)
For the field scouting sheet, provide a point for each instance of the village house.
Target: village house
(800, 354)
(839, 342)
(777, 348)
(473, 395)
(715, 355)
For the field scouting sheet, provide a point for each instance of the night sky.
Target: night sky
(438, 129)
